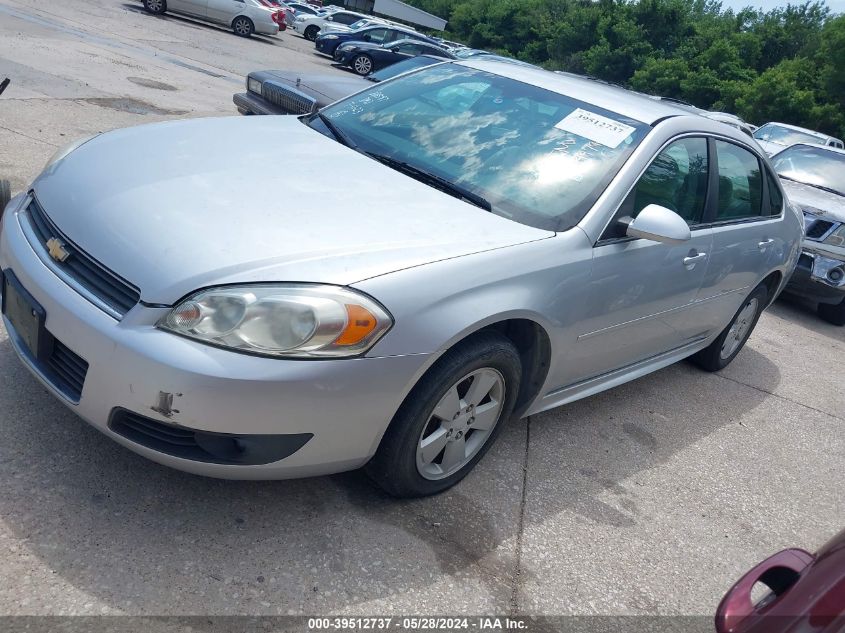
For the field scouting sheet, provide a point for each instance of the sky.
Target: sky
(837, 6)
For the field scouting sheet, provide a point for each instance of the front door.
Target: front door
(640, 290)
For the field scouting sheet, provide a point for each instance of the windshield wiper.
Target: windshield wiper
(810, 184)
(438, 182)
(342, 138)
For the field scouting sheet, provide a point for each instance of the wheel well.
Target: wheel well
(535, 351)
(772, 282)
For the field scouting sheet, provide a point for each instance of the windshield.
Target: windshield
(537, 157)
(814, 166)
(784, 136)
(402, 67)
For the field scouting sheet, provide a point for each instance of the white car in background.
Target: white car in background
(244, 17)
(309, 26)
(773, 137)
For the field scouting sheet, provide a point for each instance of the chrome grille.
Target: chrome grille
(115, 295)
(289, 99)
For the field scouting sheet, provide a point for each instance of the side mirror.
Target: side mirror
(330, 19)
(659, 224)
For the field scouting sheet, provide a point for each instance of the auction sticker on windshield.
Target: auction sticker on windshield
(595, 127)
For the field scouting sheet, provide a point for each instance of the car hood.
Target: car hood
(827, 205)
(324, 87)
(769, 147)
(177, 206)
(364, 45)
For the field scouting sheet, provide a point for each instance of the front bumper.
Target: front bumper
(134, 367)
(248, 103)
(808, 284)
(327, 47)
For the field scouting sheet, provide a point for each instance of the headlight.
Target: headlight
(330, 37)
(253, 85)
(282, 320)
(67, 149)
(837, 238)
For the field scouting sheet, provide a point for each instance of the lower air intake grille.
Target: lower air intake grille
(205, 446)
(67, 370)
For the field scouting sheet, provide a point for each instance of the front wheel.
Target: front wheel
(156, 7)
(242, 26)
(362, 65)
(724, 349)
(833, 312)
(450, 419)
(311, 32)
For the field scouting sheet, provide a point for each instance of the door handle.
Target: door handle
(765, 244)
(691, 260)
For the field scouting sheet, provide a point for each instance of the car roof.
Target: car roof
(800, 129)
(604, 95)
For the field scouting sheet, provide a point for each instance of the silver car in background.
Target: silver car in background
(244, 17)
(773, 137)
(495, 240)
(814, 180)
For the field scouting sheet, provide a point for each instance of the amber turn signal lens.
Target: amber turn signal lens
(359, 324)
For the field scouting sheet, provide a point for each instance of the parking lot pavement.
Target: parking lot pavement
(651, 498)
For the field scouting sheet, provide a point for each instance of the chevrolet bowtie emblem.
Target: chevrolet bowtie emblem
(57, 249)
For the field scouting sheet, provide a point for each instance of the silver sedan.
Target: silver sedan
(465, 244)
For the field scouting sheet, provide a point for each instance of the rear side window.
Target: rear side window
(775, 196)
(740, 183)
(377, 36)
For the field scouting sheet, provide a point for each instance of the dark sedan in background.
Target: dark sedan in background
(376, 34)
(366, 57)
(289, 92)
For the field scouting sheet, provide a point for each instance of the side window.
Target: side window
(377, 36)
(676, 179)
(408, 49)
(740, 183)
(345, 18)
(775, 196)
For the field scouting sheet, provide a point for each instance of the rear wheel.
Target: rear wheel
(450, 418)
(730, 342)
(155, 6)
(242, 26)
(362, 64)
(311, 32)
(833, 312)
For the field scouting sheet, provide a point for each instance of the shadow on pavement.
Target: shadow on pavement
(149, 540)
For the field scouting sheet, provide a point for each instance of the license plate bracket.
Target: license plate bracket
(26, 316)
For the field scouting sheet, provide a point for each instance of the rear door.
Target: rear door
(196, 8)
(224, 11)
(745, 223)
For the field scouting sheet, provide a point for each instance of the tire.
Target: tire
(5, 194)
(362, 65)
(156, 7)
(832, 312)
(401, 466)
(243, 26)
(730, 342)
(312, 32)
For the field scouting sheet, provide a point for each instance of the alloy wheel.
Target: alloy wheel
(461, 423)
(739, 329)
(242, 27)
(363, 65)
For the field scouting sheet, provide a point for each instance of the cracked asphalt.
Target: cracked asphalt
(652, 498)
